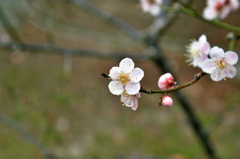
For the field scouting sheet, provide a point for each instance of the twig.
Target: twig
(9, 28)
(27, 136)
(196, 78)
(194, 13)
(33, 48)
(109, 18)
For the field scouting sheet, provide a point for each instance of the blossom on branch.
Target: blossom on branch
(219, 9)
(152, 6)
(166, 101)
(130, 100)
(166, 81)
(220, 66)
(125, 78)
(198, 51)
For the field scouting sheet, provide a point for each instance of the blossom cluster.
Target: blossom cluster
(215, 9)
(126, 83)
(214, 61)
(151, 6)
(219, 9)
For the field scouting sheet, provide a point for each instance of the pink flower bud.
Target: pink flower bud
(167, 101)
(166, 81)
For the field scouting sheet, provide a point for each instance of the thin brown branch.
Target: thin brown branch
(194, 80)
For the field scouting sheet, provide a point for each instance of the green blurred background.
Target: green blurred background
(69, 109)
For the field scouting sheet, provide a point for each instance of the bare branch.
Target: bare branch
(27, 136)
(132, 32)
(9, 27)
(33, 48)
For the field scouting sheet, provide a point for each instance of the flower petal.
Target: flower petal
(216, 53)
(136, 75)
(202, 39)
(218, 75)
(115, 87)
(208, 66)
(210, 13)
(231, 71)
(135, 104)
(132, 88)
(126, 65)
(231, 57)
(115, 73)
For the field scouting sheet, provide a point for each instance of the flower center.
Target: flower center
(124, 78)
(150, 1)
(221, 63)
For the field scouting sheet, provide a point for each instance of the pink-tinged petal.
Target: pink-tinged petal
(136, 75)
(166, 81)
(210, 13)
(208, 66)
(115, 87)
(231, 57)
(132, 88)
(126, 65)
(115, 73)
(135, 104)
(216, 53)
(167, 101)
(224, 12)
(231, 71)
(218, 75)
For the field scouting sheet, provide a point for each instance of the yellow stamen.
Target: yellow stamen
(221, 64)
(124, 78)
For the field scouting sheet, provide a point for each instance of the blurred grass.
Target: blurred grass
(76, 116)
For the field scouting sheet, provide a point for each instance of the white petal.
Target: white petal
(115, 73)
(126, 65)
(132, 88)
(115, 87)
(231, 57)
(234, 4)
(208, 66)
(216, 53)
(231, 71)
(136, 75)
(210, 13)
(202, 38)
(155, 10)
(217, 75)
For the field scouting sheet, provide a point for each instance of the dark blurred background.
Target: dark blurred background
(66, 105)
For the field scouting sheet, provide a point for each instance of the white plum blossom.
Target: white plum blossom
(198, 51)
(220, 66)
(151, 6)
(125, 78)
(130, 100)
(166, 81)
(219, 9)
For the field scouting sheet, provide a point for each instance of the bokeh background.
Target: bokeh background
(67, 106)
